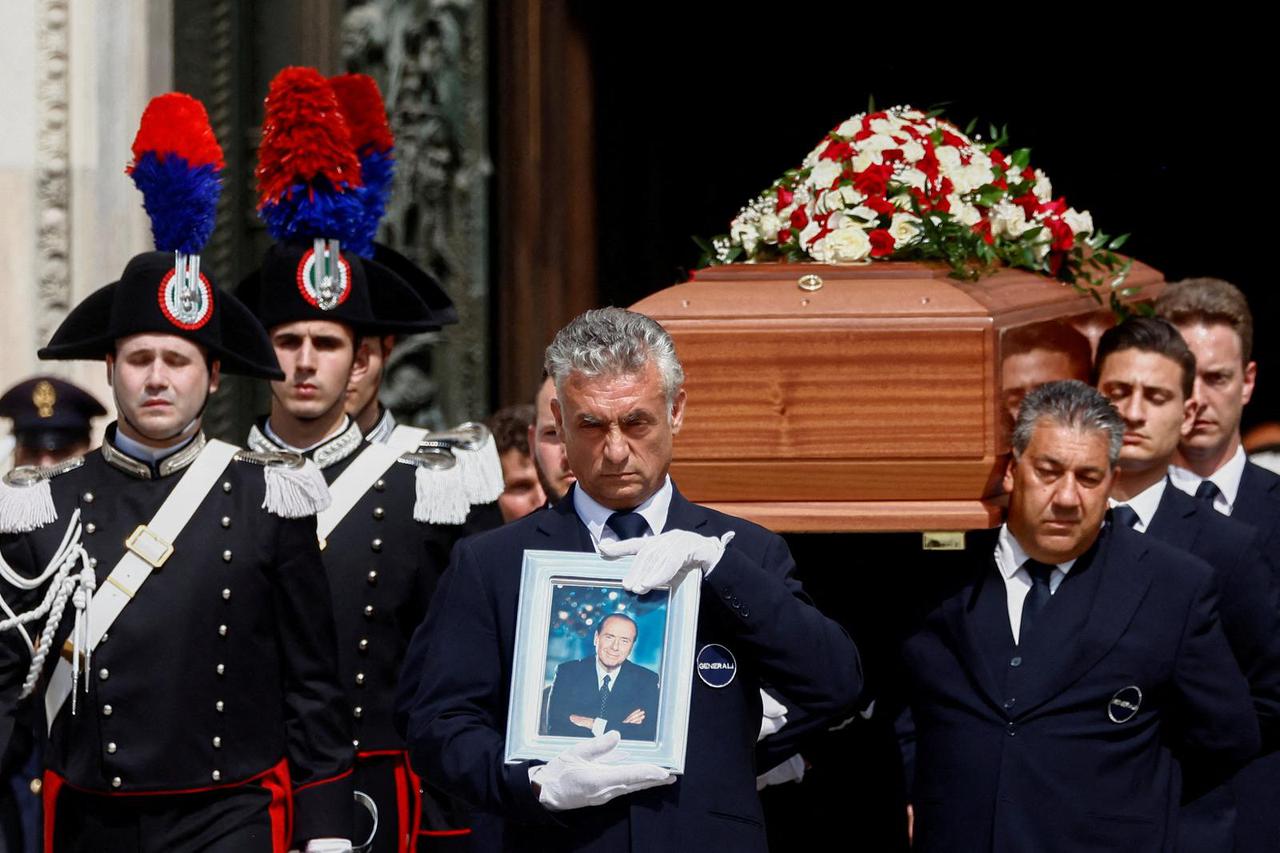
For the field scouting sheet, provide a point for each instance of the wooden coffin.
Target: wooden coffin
(853, 398)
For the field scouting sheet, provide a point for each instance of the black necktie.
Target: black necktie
(1124, 516)
(604, 697)
(1037, 597)
(628, 525)
(1207, 492)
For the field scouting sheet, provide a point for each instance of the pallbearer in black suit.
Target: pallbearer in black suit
(1054, 685)
(620, 401)
(1215, 320)
(1147, 371)
(176, 631)
(384, 543)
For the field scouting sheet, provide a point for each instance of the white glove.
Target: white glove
(587, 774)
(791, 770)
(774, 715)
(328, 845)
(660, 558)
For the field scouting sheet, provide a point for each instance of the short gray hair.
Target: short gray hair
(614, 342)
(1069, 403)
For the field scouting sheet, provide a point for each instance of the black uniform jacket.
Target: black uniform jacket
(224, 663)
(1070, 740)
(454, 691)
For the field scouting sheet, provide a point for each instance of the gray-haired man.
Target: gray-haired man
(1064, 686)
(619, 404)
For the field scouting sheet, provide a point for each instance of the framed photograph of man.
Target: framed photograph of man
(591, 657)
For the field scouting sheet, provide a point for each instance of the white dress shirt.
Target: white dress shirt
(1017, 580)
(1226, 478)
(1144, 503)
(594, 515)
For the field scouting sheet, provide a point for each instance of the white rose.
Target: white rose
(876, 143)
(863, 213)
(850, 195)
(913, 151)
(829, 200)
(825, 173)
(849, 126)
(863, 159)
(1008, 219)
(1042, 190)
(768, 227)
(744, 233)
(965, 214)
(1081, 222)
(809, 232)
(913, 178)
(969, 178)
(978, 158)
(843, 246)
(948, 157)
(904, 228)
(880, 125)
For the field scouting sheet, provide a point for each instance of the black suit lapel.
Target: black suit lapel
(1096, 606)
(978, 616)
(562, 527)
(1257, 498)
(684, 515)
(1177, 520)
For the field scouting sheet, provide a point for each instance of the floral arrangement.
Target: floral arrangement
(903, 184)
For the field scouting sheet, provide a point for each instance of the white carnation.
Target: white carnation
(1081, 222)
(849, 126)
(744, 233)
(843, 246)
(885, 126)
(913, 178)
(863, 159)
(913, 151)
(825, 173)
(1042, 190)
(948, 157)
(1008, 220)
(965, 214)
(768, 227)
(968, 178)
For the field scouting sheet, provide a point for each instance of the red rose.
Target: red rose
(1063, 239)
(784, 198)
(837, 151)
(880, 205)
(873, 180)
(892, 155)
(983, 230)
(784, 236)
(881, 243)
(799, 219)
(951, 139)
(997, 159)
(1028, 174)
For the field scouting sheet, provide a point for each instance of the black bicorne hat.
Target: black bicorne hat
(426, 285)
(149, 298)
(297, 282)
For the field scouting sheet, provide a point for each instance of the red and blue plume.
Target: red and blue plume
(177, 165)
(362, 107)
(307, 171)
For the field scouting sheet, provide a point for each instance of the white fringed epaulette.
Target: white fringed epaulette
(480, 471)
(295, 486)
(26, 501)
(439, 496)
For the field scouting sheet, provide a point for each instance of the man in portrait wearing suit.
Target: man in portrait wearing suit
(606, 692)
(1057, 683)
(1146, 370)
(1210, 464)
(619, 404)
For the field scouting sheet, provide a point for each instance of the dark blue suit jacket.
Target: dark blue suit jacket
(1257, 504)
(575, 692)
(454, 690)
(1016, 748)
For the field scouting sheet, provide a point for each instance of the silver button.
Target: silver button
(364, 645)
(217, 775)
(226, 594)
(91, 528)
(373, 577)
(105, 637)
(111, 748)
(356, 743)
(93, 564)
(116, 782)
(226, 521)
(226, 487)
(368, 610)
(219, 706)
(106, 710)
(376, 544)
(358, 711)
(104, 674)
(359, 678)
(221, 669)
(87, 497)
(226, 556)
(380, 485)
(217, 743)
(222, 630)
(379, 512)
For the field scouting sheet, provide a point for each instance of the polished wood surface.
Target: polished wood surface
(867, 400)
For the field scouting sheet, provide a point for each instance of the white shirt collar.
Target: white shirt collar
(1010, 556)
(1145, 503)
(382, 430)
(145, 452)
(1226, 478)
(594, 515)
(602, 671)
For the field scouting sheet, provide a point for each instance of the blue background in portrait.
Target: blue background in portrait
(576, 611)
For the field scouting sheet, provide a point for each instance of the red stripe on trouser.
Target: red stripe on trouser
(49, 794)
(281, 808)
(416, 784)
(404, 843)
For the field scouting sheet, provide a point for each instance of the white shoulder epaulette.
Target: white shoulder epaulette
(26, 501)
(446, 492)
(295, 486)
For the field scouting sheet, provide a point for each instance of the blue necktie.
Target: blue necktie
(1037, 597)
(1207, 492)
(628, 525)
(604, 697)
(1124, 516)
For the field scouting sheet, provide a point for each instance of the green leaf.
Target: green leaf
(1021, 158)
(871, 103)
(1119, 241)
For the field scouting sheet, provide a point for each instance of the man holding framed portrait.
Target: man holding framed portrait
(619, 404)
